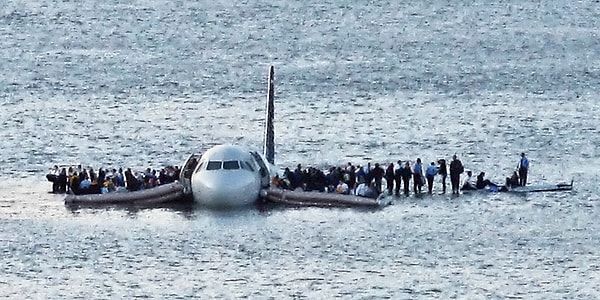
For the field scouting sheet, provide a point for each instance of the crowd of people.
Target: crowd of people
(364, 181)
(78, 180)
(368, 180)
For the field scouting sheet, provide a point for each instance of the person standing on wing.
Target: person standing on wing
(523, 169)
(417, 176)
(430, 173)
(398, 176)
(443, 171)
(389, 178)
(406, 173)
(456, 168)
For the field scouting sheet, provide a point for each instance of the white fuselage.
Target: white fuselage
(226, 176)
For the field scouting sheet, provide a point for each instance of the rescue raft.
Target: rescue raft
(318, 198)
(160, 194)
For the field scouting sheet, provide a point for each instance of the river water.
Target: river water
(144, 83)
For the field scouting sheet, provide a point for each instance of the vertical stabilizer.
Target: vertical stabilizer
(269, 146)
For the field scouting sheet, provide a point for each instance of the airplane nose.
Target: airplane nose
(233, 189)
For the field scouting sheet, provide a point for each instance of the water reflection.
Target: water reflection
(183, 208)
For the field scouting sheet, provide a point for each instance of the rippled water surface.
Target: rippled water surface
(145, 83)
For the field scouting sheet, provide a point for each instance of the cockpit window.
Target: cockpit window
(231, 165)
(199, 167)
(213, 165)
(249, 165)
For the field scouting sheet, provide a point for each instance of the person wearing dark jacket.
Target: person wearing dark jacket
(389, 178)
(62, 181)
(377, 173)
(512, 181)
(482, 182)
(406, 173)
(456, 168)
(132, 182)
(398, 177)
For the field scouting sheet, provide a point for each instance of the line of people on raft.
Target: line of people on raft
(367, 181)
(80, 181)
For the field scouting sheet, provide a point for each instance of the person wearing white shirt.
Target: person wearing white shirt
(467, 184)
(364, 190)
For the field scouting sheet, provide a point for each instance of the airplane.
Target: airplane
(230, 175)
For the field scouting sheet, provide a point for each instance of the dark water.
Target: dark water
(145, 83)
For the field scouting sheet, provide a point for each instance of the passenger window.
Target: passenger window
(213, 165)
(231, 165)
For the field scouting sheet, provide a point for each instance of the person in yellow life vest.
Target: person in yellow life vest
(107, 186)
(74, 183)
(276, 181)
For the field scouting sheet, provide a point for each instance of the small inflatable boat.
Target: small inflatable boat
(317, 198)
(160, 194)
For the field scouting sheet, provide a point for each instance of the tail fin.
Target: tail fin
(269, 146)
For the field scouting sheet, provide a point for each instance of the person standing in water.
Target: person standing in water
(523, 169)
